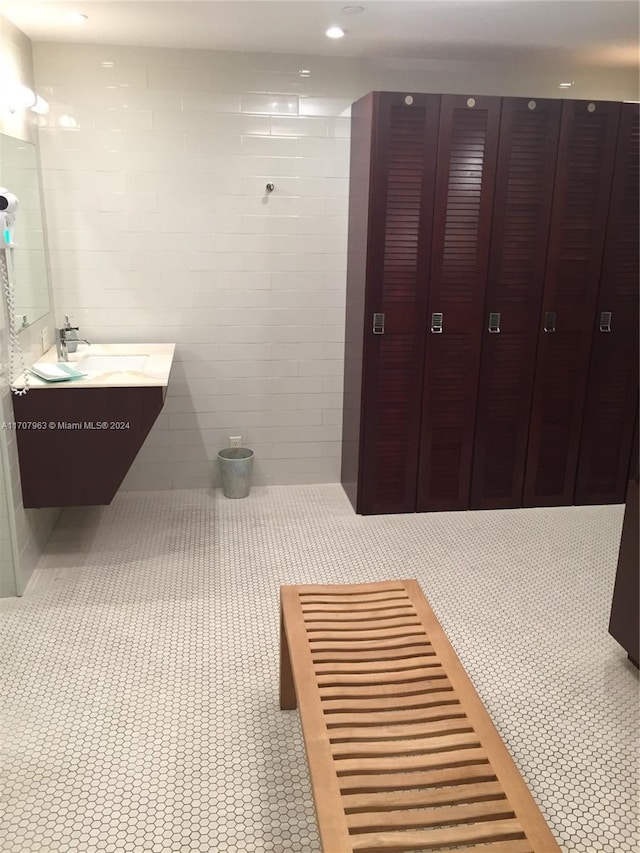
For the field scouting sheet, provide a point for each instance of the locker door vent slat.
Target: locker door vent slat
(404, 198)
(466, 165)
(579, 247)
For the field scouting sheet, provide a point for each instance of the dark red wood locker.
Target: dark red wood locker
(467, 148)
(390, 219)
(578, 221)
(612, 390)
(522, 204)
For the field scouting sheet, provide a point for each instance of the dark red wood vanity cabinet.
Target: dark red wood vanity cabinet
(487, 236)
(82, 441)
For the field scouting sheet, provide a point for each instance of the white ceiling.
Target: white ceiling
(592, 32)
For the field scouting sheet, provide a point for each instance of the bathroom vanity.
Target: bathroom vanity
(77, 439)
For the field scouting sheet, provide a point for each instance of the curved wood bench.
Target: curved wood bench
(402, 754)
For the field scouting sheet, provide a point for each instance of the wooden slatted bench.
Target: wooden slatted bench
(402, 754)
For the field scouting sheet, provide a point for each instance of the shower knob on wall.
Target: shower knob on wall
(270, 187)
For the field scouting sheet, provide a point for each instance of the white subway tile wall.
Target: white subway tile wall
(161, 229)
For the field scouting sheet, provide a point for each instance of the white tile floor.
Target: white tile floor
(140, 669)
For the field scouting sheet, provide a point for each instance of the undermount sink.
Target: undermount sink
(119, 363)
(134, 365)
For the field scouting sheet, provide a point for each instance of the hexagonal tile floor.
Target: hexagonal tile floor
(141, 667)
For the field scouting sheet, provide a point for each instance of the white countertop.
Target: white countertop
(154, 372)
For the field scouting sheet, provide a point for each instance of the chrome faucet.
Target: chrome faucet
(67, 339)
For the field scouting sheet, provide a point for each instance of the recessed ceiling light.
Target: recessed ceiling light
(77, 18)
(565, 85)
(352, 10)
(335, 32)
(304, 72)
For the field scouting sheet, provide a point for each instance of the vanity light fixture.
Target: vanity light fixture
(335, 32)
(77, 18)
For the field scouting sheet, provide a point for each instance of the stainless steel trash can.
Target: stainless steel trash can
(236, 464)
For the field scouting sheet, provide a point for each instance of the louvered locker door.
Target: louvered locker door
(612, 390)
(578, 219)
(401, 209)
(467, 149)
(523, 193)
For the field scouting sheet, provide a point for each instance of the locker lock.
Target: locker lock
(436, 323)
(378, 324)
(605, 321)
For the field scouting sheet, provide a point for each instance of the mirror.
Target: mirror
(19, 173)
